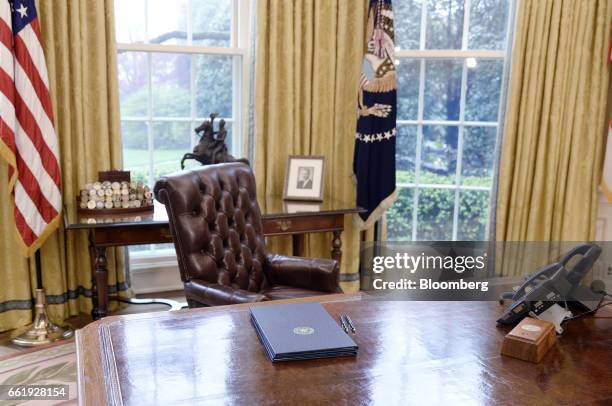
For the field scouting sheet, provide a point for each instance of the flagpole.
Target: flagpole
(42, 330)
(39, 283)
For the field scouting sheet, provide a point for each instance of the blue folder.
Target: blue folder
(301, 331)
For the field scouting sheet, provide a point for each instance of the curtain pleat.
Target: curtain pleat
(555, 128)
(308, 61)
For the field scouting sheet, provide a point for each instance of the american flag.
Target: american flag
(27, 137)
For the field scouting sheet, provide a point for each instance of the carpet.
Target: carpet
(52, 364)
(7, 350)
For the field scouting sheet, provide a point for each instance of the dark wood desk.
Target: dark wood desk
(410, 353)
(279, 218)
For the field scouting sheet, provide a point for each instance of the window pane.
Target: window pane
(408, 89)
(442, 110)
(483, 90)
(444, 24)
(407, 15)
(442, 89)
(136, 149)
(130, 21)
(229, 141)
(168, 93)
(478, 156)
(171, 141)
(439, 155)
(170, 85)
(435, 214)
(399, 217)
(133, 75)
(167, 22)
(473, 215)
(214, 85)
(406, 153)
(488, 21)
(212, 22)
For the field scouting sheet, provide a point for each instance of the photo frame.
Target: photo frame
(304, 178)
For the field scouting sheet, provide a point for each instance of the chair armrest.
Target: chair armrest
(213, 294)
(307, 273)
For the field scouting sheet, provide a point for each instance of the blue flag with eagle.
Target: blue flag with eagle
(374, 159)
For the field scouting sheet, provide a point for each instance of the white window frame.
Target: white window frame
(240, 49)
(422, 54)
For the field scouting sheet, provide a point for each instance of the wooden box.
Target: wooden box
(530, 340)
(114, 176)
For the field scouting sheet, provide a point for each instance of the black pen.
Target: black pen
(343, 325)
(350, 323)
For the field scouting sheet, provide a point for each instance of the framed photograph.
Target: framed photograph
(304, 178)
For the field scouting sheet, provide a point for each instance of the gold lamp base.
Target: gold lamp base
(42, 331)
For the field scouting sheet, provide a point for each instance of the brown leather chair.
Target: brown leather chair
(216, 226)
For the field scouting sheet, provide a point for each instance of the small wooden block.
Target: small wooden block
(529, 340)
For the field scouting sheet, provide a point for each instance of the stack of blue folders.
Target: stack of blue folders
(291, 332)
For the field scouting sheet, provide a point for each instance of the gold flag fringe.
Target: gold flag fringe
(384, 84)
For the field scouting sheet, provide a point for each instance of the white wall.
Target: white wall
(604, 220)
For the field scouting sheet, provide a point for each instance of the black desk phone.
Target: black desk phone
(555, 283)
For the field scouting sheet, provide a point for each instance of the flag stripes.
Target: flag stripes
(28, 141)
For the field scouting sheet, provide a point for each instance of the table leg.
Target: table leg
(94, 287)
(336, 252)
(298, 244)
(100, 285)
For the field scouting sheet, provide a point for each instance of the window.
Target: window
(451, 57)
(178, 62)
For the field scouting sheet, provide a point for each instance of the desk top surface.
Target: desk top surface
(409, 353)
(271, 207)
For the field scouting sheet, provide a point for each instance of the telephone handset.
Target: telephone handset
(554, 283)
(590, 253)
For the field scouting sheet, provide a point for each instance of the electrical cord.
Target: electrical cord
(597, 286)
(589, 312)
(605, 317)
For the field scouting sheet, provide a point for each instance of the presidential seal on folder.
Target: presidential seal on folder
(302, 331)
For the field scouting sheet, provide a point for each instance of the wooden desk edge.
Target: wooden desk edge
(336, 297)
(89, 379)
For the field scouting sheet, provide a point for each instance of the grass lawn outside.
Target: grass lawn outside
(135, 158)
(165, 161)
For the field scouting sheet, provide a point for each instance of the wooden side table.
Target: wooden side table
(278, 217)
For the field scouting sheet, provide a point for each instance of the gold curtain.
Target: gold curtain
(556, 121)
(308, 62)
(79, 45)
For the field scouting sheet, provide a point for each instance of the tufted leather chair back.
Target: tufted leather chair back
(216, 225)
